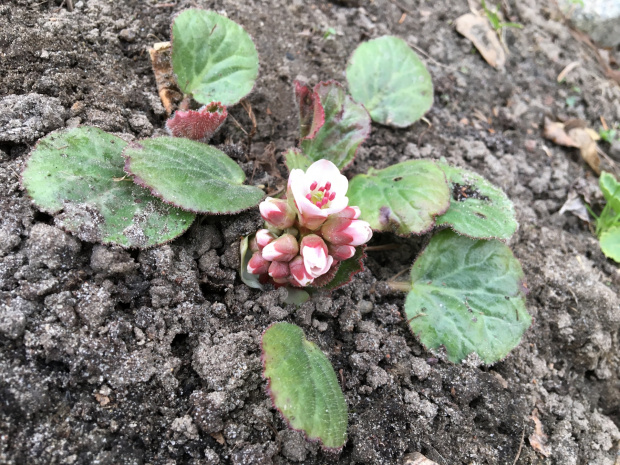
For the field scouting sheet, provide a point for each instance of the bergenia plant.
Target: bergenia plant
(310, 232)
(608, 222)
(466, 292)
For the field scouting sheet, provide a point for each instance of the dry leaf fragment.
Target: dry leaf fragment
(575, 133)
(555, 132)
(103, 400)
(478, 30)
(538, 439)
(587, 147)
(575, 205)
(417, 459)
(169, 92)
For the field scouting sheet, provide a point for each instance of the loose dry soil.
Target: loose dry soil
(110, 356)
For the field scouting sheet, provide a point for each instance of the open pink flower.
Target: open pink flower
(319, 192)
(346, 231)
(316, 257)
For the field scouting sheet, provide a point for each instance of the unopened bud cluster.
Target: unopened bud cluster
(307, 234)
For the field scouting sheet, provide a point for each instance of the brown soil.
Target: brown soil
(128, 357)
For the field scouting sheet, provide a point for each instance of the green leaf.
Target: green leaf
(404, 198)
(250, 279)
(469, 296)
(296, 296)
(346, 126)
(78, 176)
(610, 243)
(294, 159)
(477, 208)
(391, 81)
(303, 385)
(190, 175)
(213, 57)
(611, 190)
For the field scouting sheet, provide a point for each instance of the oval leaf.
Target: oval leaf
(213, 57)
(610, 243)
(303, 385)
(404, 198)
(346, 125)
(78, 176)
(190, 175)
(477, 208)
(469, 296)
(391, 81)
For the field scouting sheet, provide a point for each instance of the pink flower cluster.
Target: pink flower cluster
(310, 232)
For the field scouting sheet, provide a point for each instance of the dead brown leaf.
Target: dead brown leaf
(417, 459)
(538, 439)
(103, 400)
(219, 438)
(478, 30)
(556, 132)
(575, 133)
(587, 147)
(169, 92)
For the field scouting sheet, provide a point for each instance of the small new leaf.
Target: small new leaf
(346, 125)
(199, 125)
(303, 385)
(468, 296)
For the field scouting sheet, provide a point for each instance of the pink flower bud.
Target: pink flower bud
(263, 237)
(282, 249)
(349, 212)
(346, 231)
(277, 213)
(316, 258)
(299, 275)
(279, 270)
(258, 264)
(341, 252)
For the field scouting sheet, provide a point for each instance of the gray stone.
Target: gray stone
(599, 18)
(26, 118)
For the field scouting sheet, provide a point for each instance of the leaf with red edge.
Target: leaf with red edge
(343, 272)
(311, 112)
(303, 385)
(346, 126)
(199, 125)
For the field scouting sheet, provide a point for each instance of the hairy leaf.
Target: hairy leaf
(468, 296)
(311, 111)
(213, 57)
(477, 208)
(346, 126)
(191, 175)
(303, 385)
(198, 125)
(391, 81)
(404, 198)
(78, 176)
(294, 159)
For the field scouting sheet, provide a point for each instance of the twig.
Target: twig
(425, 131)
(248, 108)
(571, 66)
(404, 8)
(520, 446)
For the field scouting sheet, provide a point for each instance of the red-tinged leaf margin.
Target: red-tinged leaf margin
(343, 273)
(199, 125)
(273, 400)
(350, 116)
(311, 111)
